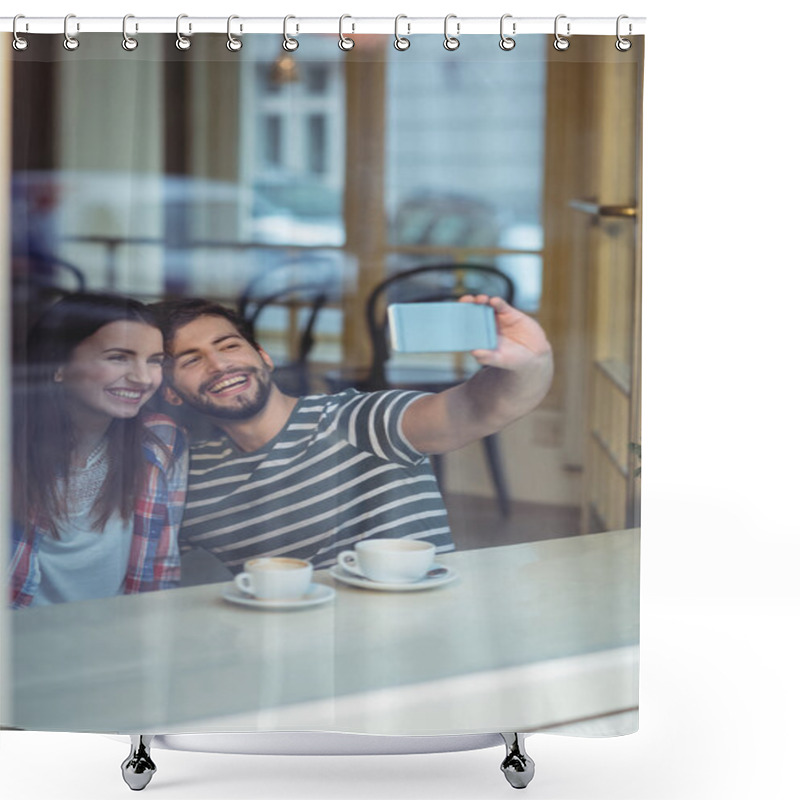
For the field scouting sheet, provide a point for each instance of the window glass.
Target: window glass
(444, 194)
(296, 166)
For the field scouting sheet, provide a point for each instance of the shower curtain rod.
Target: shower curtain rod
(345, 25)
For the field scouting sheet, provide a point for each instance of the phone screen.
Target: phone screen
(441, 327)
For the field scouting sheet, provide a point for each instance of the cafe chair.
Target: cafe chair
(38, 281)
(433, 283)
(305, 300)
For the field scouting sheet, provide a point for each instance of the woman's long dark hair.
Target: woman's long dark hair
(44, 438)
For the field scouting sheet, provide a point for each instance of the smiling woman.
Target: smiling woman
(99, 487)
(111, 374)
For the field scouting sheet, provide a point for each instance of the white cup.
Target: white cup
(275, 578)
(389, 560)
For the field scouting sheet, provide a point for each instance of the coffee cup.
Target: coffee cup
(389, 560)
(275, 578)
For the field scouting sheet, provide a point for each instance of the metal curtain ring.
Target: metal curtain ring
(128, 42)
(234, 43)
(344, 42)
(623, 45)
(506, 42)
(19, 43)
(400, 42)
(451, 42)
(560, 43)
(70, 42)
(182, 42)
(290, 44)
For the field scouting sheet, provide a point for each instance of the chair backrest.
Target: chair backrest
(292, 376)
(38, 281)
(427, 284)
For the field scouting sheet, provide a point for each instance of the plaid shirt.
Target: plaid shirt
(154, 561)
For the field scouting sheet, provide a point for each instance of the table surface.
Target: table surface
(530, 635)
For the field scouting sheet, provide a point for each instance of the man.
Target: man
(308, 477)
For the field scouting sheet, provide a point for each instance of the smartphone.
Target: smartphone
(441, 327)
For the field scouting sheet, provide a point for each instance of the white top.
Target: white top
(84, 563)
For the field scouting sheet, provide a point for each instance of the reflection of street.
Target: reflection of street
(145, 234)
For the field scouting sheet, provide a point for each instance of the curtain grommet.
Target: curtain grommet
(182, 42)
(507, 42)
(345, 43)
(289, 44)
(451, 43)
(560, 42)
(234, 43)
(129, 43)
(70, 42)
(401, 43)
(19, 43)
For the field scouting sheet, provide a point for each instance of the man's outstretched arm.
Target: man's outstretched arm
(515, 379)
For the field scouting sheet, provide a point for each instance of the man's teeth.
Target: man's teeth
(227, 383)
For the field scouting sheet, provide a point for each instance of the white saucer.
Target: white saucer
(441, 579)
(317, 595)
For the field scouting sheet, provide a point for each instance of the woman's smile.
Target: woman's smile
(114, 372)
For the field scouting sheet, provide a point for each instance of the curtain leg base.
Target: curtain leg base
(138, 768)
(517, 766)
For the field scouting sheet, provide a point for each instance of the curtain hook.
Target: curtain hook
(451, 42)
(182, 42)
(623, 45)
(560, 43)
(70, 42)
(400, 42)
(506, 42)
(234, 43)
(290, 44)
(128, 42)
(19, 43)
(345, 43)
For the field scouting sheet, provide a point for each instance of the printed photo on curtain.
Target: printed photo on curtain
(325, 384)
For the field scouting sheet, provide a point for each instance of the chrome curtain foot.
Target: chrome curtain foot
(517, 766)
(138, 768)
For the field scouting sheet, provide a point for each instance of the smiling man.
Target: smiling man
(310, 476)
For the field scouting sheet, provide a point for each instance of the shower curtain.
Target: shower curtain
(286, 176)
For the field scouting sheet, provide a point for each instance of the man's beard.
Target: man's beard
(247, 409)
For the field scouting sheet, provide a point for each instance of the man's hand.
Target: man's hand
(518, 376)
(519, 338)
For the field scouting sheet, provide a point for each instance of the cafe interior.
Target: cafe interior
(308, 189)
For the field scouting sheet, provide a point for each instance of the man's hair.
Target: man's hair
(174, 314)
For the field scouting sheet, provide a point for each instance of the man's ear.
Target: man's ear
(171, 397)
(266, 359)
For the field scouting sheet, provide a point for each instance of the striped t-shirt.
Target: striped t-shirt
(341, 470)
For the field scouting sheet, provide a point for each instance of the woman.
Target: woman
(99, 487)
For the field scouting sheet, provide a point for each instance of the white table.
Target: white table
(531, 636)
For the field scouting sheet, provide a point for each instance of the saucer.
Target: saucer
(316, 595)
(440, 579)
